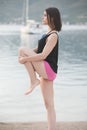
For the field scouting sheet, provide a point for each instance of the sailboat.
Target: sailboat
(30, 26)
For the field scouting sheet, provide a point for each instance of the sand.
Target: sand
(43, 126)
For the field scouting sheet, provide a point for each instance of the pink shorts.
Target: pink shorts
(50, 73)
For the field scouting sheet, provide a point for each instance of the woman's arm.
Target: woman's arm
(50, 44)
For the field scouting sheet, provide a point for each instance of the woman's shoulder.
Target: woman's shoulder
(53, 34)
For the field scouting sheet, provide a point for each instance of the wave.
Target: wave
(10, 29)
(74, 27)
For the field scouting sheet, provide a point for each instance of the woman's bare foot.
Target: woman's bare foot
(36, 83)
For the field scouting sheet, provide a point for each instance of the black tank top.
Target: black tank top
(52, 58)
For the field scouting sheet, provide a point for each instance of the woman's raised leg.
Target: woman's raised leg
(32, 68)
(33, 79)
(48, 96)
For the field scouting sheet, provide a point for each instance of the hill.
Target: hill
(72, 11)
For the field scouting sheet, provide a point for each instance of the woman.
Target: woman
(43, 60)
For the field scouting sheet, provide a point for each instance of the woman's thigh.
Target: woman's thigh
(23, 51)
(47, 92)
(40, 69)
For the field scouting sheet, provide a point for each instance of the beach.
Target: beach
(43, 126)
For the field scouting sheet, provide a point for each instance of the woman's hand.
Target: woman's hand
(22, 60)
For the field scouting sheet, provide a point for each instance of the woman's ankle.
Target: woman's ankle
(33, 86)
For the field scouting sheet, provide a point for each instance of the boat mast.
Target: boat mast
(27, 9)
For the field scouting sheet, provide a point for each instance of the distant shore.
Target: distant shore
(43, 126)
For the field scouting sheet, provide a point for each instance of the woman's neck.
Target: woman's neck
(50, 29)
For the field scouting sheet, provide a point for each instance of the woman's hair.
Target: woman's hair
(54, 18)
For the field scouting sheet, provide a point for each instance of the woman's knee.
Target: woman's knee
(24, 51)
(21, 49)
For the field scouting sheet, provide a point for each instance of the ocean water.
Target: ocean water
(70, 86)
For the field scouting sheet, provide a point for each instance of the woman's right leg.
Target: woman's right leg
(32, 74)
(32, 67)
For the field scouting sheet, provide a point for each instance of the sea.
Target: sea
(70, 86)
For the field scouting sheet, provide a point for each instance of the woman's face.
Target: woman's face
(44, 18)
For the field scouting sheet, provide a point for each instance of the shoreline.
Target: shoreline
(81, 125)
